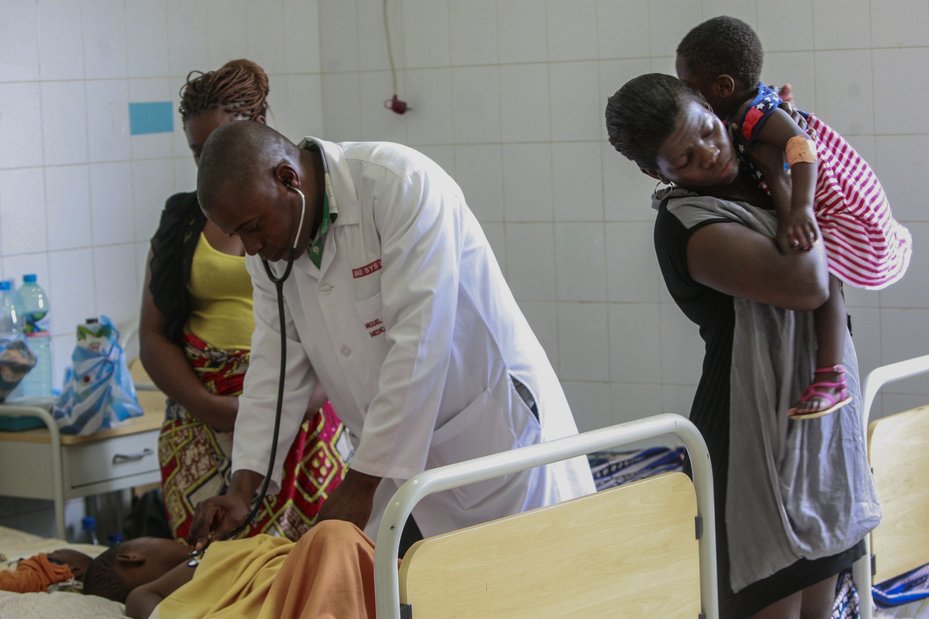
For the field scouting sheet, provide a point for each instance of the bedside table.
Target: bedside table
(45, 464)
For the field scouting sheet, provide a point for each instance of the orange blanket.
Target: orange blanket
(34, 574)
(328, 573)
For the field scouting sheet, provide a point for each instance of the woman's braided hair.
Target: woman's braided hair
(239, 87)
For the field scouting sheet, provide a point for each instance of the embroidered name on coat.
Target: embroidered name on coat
(366, 269)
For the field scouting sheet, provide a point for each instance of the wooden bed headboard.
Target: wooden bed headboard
(898, 449)
(630, 551)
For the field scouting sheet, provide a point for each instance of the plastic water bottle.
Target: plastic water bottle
(89, 528)
(10, 323)
(31, 303)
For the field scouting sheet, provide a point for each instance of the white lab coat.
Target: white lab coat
(415, 335)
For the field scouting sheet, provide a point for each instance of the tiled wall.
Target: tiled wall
(508, 95)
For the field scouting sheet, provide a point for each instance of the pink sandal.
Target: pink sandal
(821, 390)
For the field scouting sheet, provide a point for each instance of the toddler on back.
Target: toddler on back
(721, 58)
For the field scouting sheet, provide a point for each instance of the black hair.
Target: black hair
(103, 579)
(642, 114)
(723, 45)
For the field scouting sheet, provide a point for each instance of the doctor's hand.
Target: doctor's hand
(218, 516)
(352, 500)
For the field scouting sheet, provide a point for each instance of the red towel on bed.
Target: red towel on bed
(34, 574)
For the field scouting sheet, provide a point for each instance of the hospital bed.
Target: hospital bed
(645, 549)
(898, 450)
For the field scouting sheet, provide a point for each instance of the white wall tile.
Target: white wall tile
(524, 103)
(377, 122)
(577, 112)
(527, 182)
(476, 104)
(631, 267)
(301, 46)
(577, 180)
(22, 212)
(668, 22)
(520, 28)
(900, 159)
(188, 48)
(479, 172)
(677, 399)
(496, 236)
(530, 261)
(899, 24)
(20, 125)
(64, 123)
(372, 40)
(785, 35)
(583, 341)
(901, 77)
(118, 292)
(442, 154)
(796, 69)
(61, 47)
(866, 336)
(67, 205)
(338, 34)
(225, 21)
(543, 319)
(111, 203)
(635, 401)
(105, 48)
(185, 176)
(843, 91)
(429, 93)
(108, 120)
(572, 27)
(841, 24)
(425, 34)
(626, 190)
(152, 183)
(265, 39)
(342, 106)
(147, 38)
(473, 32)
(904, 336)
(621, 28)
(580, 262)
(296, 106)
(635, 352)
(739, 9)
(590, 403)
(70, 289)
(19, 53)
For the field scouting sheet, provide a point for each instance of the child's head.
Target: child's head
(116, 572)
(722, 59)
(669, 131)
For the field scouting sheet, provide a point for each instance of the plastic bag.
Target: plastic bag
(15, 362)
(98, 391)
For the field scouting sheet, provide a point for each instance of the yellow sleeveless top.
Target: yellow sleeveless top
(221, 298)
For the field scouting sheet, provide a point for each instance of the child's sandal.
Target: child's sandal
(824, 390)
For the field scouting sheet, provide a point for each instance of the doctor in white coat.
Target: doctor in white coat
(397, 306)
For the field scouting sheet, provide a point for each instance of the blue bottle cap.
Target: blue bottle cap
(6, 285)
(88, 523)
(29, 278)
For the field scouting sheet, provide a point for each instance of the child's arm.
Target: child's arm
(143, 599)
(795, 220)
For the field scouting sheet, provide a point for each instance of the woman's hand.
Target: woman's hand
(217, 411)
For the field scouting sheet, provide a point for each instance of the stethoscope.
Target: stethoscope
(279, 286)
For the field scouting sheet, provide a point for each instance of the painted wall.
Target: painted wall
(508, 95)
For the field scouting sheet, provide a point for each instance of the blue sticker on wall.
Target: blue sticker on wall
(151, 117)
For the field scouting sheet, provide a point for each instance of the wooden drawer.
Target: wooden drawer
(104, 461)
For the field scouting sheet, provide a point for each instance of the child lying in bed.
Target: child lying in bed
(329, 571)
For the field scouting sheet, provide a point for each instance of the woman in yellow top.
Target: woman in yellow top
(195, 333)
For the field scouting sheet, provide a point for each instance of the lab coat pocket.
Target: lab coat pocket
(492, 423)
(371, 315)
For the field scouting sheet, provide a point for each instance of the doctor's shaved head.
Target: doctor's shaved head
(238, 157)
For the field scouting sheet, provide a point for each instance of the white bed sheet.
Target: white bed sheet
(16, 544)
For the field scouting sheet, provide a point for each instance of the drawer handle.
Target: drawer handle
(118, 458)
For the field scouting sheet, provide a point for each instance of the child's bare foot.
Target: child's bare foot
(823, 396)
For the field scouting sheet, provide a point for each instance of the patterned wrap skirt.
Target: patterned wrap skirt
(196, 460)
